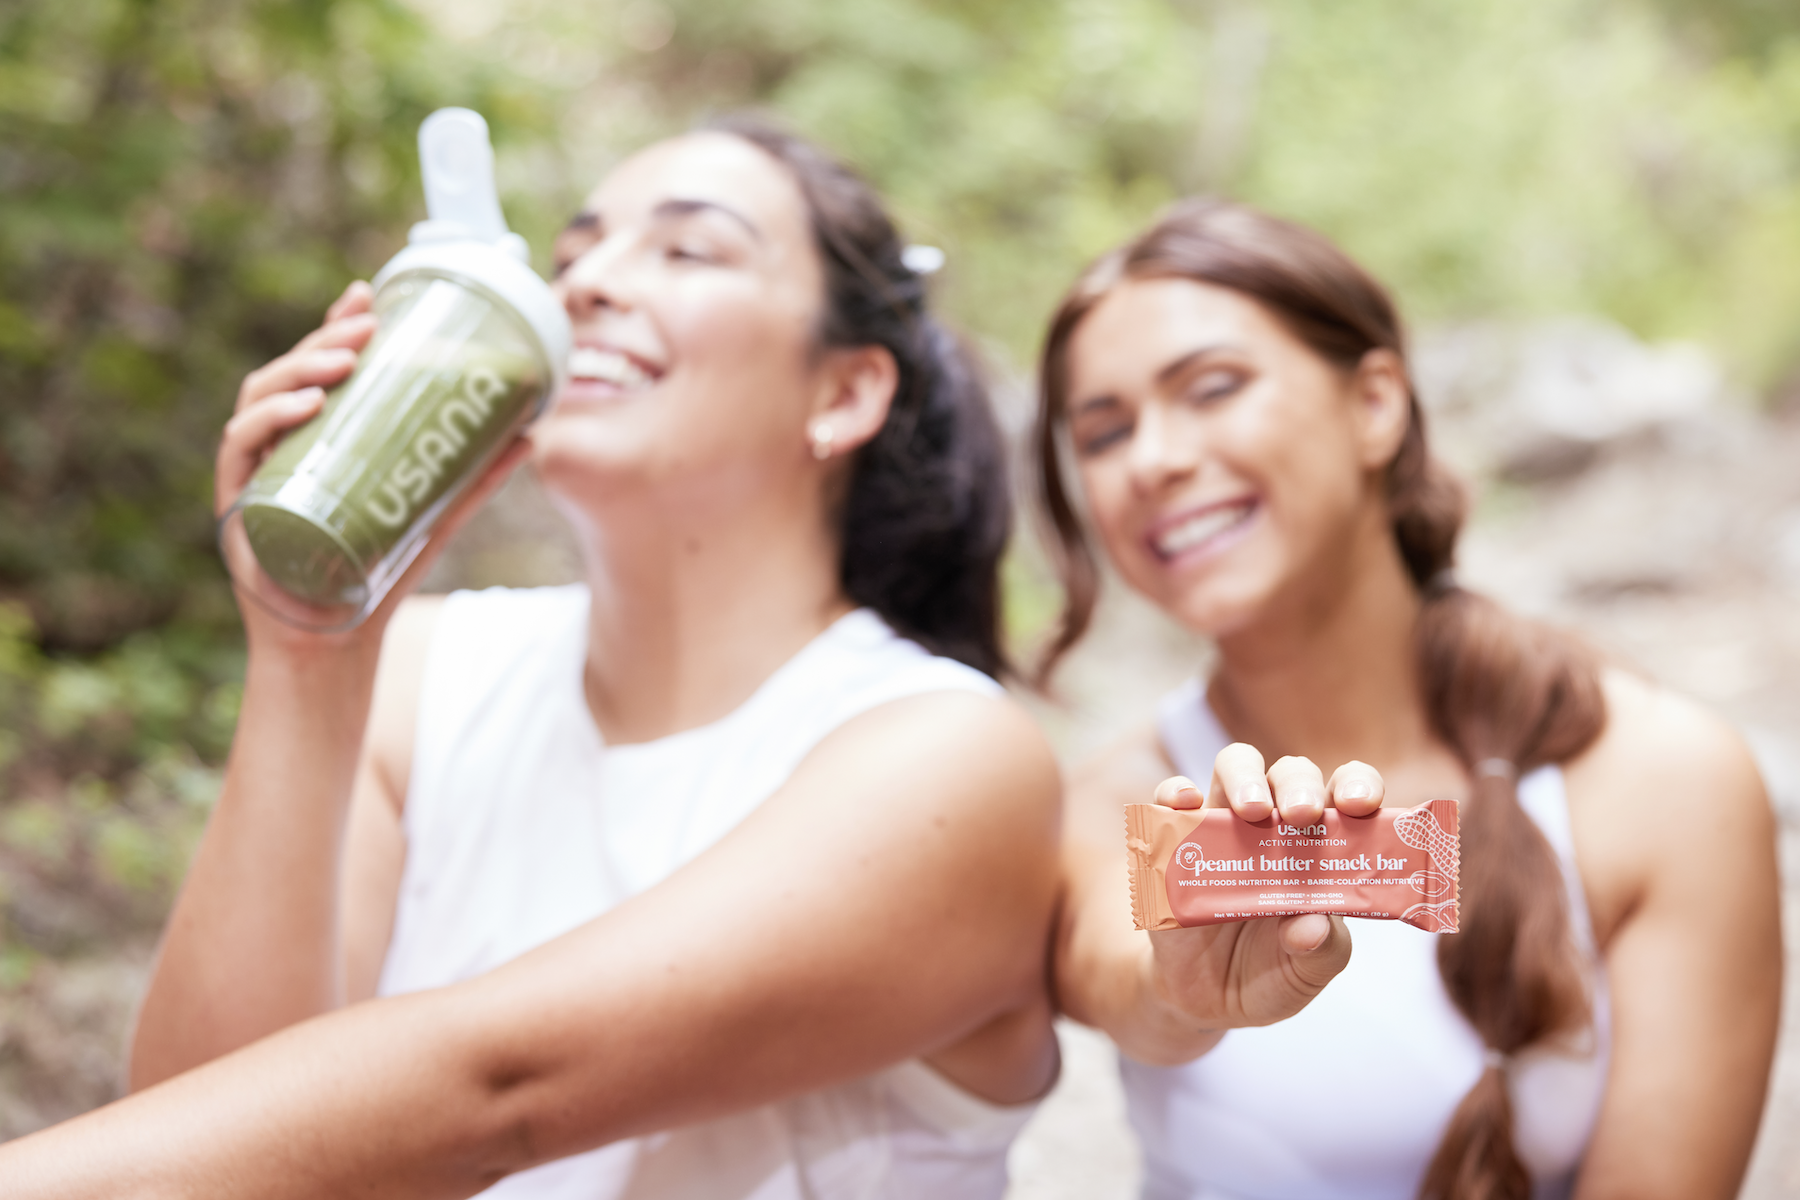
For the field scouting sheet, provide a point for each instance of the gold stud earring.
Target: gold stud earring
(822, 436)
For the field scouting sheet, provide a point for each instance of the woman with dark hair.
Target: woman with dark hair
(1232, 393)
(727, 873)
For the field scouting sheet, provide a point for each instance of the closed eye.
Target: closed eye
(1098, 438)
(1104, 442)
(1212, 386)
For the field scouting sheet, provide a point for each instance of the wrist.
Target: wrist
(1159, 1000)
(320, 673)
(274, 645)
(1168, 1031)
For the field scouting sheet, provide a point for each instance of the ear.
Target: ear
(857, 391)
(1382, 406)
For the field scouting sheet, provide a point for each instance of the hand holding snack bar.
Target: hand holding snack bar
(1167, 995)
(1258, 970)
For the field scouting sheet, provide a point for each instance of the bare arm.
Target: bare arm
(893, 897)
(286, 909)
(254, 943)
(1677, 847)
(1166, 997)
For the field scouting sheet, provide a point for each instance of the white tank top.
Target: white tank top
(521, 825)
(1379, 1060)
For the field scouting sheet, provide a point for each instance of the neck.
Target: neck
(1328, 673)
(689, 617)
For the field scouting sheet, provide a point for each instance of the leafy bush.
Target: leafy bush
(108, 770)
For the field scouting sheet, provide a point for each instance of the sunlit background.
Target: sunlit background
(1590, 210)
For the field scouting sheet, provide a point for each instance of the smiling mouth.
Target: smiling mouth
(1186, 536)
(590, 365)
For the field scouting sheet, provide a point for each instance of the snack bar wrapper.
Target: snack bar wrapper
(1202, 866)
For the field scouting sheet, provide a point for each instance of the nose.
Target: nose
(1159, 455)
(598, 281)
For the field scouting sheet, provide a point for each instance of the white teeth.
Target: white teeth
(607, 366)
(1191, 533)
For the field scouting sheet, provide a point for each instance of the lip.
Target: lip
(1217, 530)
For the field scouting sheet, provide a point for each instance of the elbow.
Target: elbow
(510, 1097)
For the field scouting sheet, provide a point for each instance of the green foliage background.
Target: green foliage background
(185, 184)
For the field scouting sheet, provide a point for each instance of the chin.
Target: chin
(1218, 606)
(584, 470)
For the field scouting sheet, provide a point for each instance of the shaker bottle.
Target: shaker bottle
(470, 346)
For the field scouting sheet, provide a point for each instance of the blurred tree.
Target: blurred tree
(184, 184)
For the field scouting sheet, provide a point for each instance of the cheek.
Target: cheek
(1106, 490)
(734, 333)
(1312, 487)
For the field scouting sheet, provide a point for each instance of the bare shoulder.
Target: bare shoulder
(1661, 751)
(395, 709)
(970, 746)
(1126, 771)
(1668, 791)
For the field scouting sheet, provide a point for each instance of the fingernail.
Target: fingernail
(1356, 789)
(1252, 795)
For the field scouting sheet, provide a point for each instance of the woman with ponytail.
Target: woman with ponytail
(1231, 393)
(726, 873)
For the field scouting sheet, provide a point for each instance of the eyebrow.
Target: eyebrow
(1180, 365)
(585, 221)
(1094, 404)
(589, 221)
(674, 209)
(1169, 372)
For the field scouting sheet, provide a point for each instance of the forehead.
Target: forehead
(715, 167)
(1144, 324)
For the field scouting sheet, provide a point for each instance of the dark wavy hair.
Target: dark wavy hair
(926, 513)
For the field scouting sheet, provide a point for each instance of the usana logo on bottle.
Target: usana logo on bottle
(437, 444)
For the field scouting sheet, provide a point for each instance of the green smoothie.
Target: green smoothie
(344, 501)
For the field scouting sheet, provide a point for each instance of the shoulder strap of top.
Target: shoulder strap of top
(1544, 795)
(1191, 736)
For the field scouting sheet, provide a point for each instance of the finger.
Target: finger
(1356, 789)
(359, 297)
(1318, 948)
(1299, 790)
(293, 371)
(250, 434)
(1238, 781)
(353, 332)
(1178, 791)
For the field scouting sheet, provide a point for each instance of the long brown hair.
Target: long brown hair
(1504, 693)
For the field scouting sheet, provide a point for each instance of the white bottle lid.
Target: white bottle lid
(466, 235)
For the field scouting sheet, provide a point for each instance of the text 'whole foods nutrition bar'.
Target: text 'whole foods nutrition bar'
(1203, 866)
